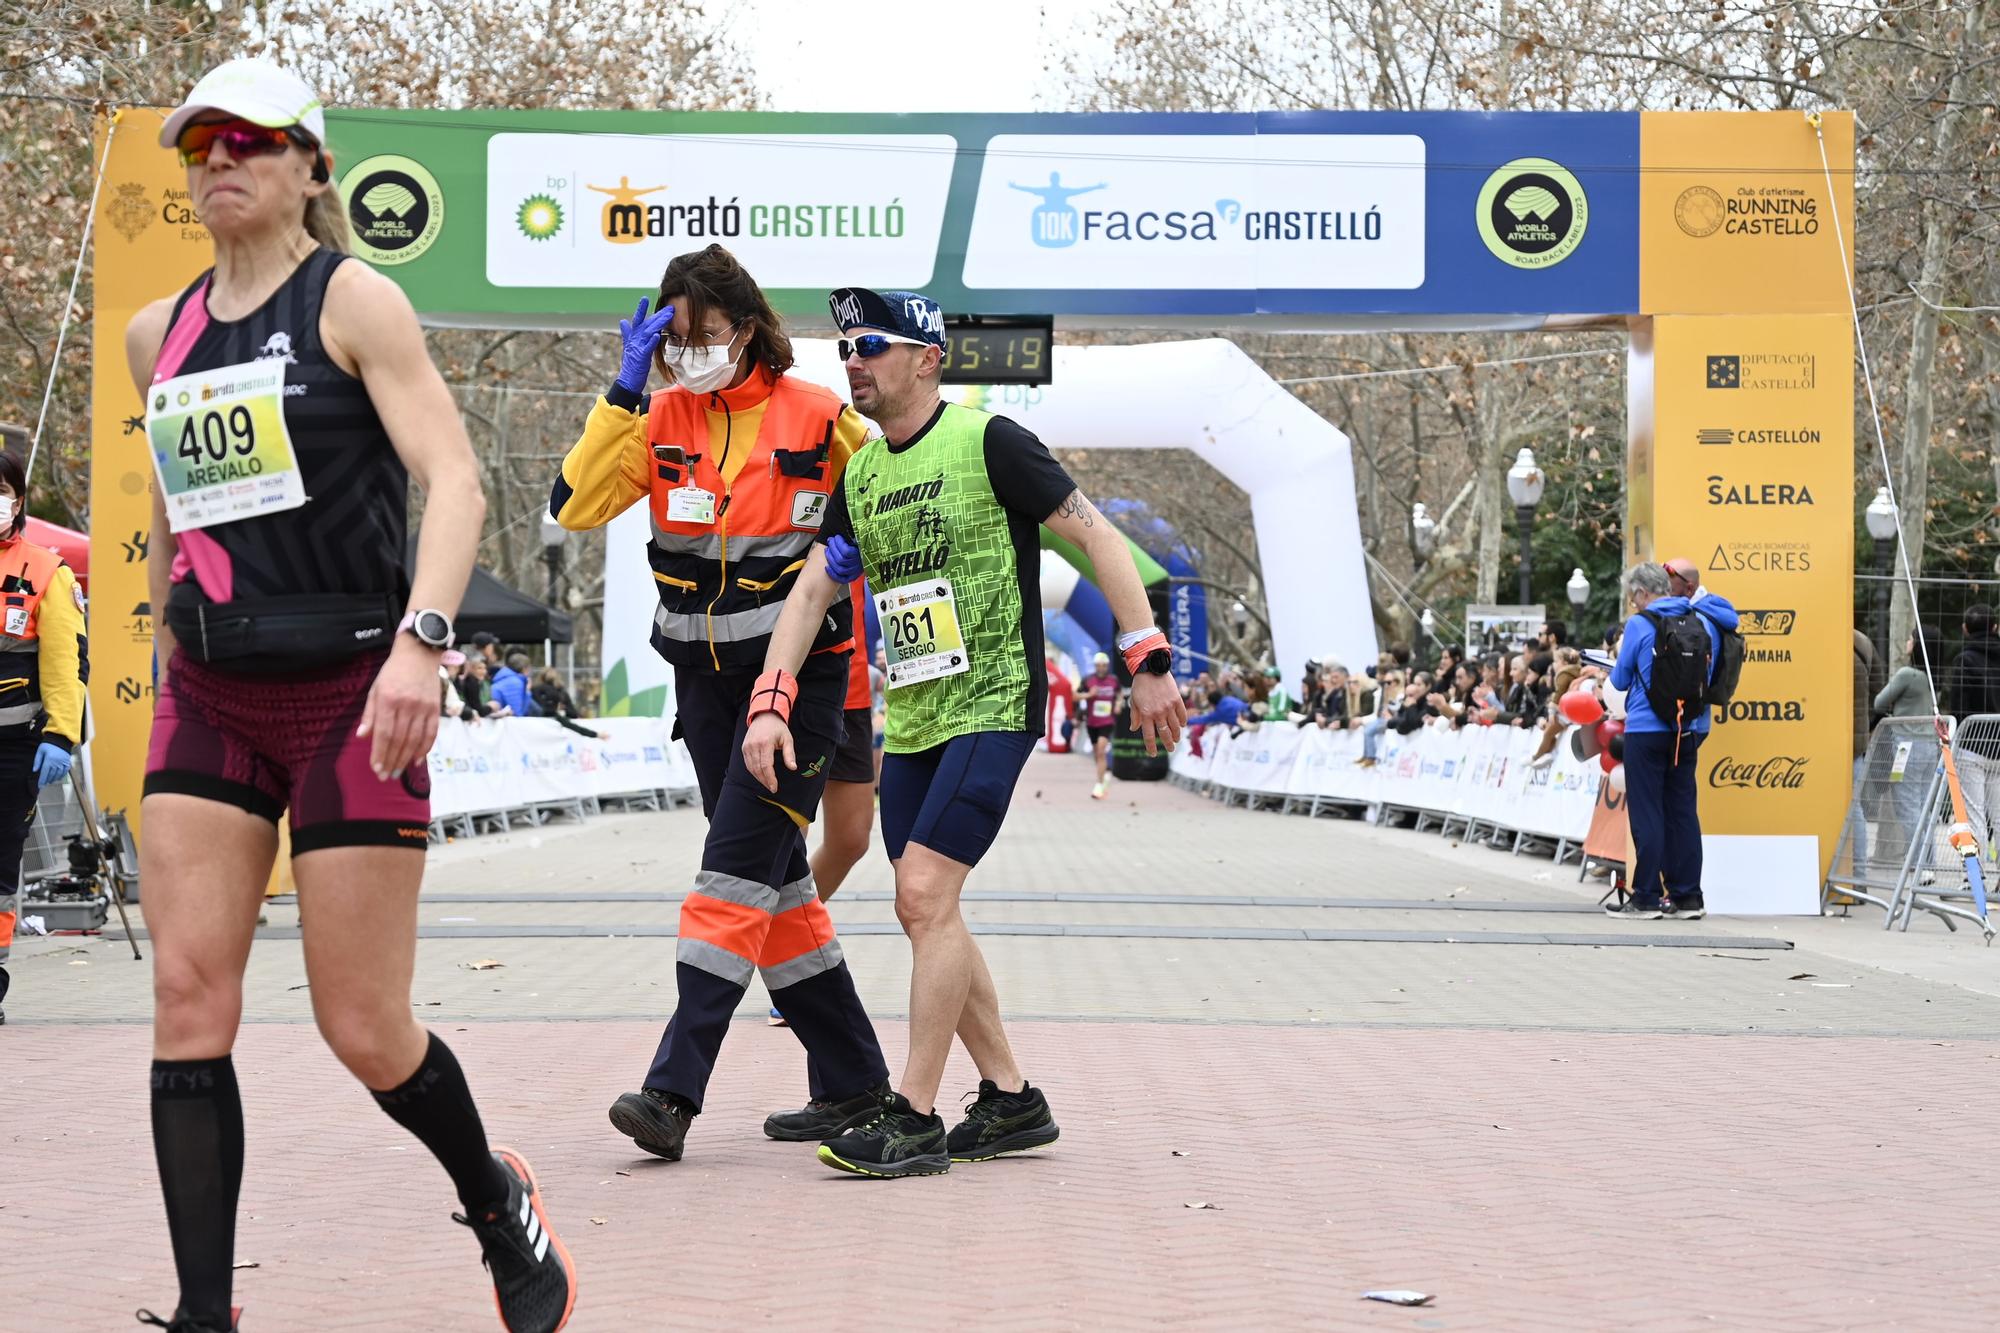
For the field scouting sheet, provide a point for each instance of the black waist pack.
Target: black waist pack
(278, 633)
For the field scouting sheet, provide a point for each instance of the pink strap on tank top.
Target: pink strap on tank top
(195, 551)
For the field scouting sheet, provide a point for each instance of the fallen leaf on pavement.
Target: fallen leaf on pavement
(485, 965)
(599, 1221)
(246, 1263)
(1179, 1153)
(1801, 976)
(1209, 1207)
(1398, 1297)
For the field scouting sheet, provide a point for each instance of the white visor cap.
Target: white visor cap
(258, 91)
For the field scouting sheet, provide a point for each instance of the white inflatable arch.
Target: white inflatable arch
(1206, 395)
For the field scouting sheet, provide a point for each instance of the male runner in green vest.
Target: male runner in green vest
(944, 511)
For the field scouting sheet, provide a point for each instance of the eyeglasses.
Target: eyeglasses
(868, 346)
(675, 345)
(240, 137)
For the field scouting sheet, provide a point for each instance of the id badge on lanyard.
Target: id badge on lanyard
(220, 447)
(690, 504)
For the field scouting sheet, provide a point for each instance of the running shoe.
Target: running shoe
(1630, 910)
(820, 1119)
(999, 1123)
(653, 1120)
(776, 1020)
(1693, 910)
(187, 1323)
(1097, 792)
(897, 1141)
(534, 1283)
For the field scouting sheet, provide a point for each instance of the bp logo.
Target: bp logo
(539, 217)
(1532, 213)
(395, 207)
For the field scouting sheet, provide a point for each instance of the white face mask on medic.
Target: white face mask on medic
(705, 369)
(7, 511)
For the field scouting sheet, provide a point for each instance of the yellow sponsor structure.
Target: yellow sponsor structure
(149, 244)
(1741, 451)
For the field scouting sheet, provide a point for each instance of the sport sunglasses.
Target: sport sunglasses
(871, 345)
(241, 138)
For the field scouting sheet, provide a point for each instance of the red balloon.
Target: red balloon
(1582, 707)
(1609, 760)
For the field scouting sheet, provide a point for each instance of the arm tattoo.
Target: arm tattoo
(1078, 506)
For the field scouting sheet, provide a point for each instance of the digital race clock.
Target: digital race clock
(998, 349)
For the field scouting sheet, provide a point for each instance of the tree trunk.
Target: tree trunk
(1940, 220)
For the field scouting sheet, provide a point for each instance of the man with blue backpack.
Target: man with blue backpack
(1678, 660)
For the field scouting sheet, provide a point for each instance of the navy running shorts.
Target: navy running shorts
(854, 760)
(952, 798)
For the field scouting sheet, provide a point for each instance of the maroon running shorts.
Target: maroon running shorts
(268, 743)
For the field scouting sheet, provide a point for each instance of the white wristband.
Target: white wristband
(1127, 640)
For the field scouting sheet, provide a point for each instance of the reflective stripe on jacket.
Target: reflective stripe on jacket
(768, 453)
(44, 659)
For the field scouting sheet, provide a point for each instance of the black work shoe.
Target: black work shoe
(999, 1123)
(820, 1119)
(183, 1322)
(653, 1120)
(1688, 910)
(534, 1283)
(1631, 910)
(896, 1141)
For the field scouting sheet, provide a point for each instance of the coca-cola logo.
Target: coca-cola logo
(1780, 772)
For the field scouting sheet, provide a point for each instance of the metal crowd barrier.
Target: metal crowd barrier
(1895, 848)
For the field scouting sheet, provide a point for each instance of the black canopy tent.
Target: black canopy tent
(508, 614)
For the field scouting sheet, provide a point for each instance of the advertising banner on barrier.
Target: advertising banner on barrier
(511, 763)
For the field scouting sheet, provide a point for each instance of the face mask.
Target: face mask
(6, 511)
(703, 369)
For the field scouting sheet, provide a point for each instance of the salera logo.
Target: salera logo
(1749, 623)
(1762, 710)
(1781, 772)
(1721, 491)
(1532, 213)
(395, 207)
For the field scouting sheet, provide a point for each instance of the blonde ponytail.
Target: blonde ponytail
(326, 221)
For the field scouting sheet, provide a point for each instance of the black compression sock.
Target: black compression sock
(435, 1105)
(198, 1143)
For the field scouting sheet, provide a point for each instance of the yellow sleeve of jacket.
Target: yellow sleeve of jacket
(64, 659)
(850, 432)
(606, 470)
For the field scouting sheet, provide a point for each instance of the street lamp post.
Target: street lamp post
(1578, 589)
(1524, 484)
(553, 537)
(1881, 519)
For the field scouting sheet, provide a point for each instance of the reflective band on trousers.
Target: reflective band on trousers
(734, 627)
(10, 644)
(726, 922)
(708, 546)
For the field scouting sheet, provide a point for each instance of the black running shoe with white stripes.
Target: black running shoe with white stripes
(534, 1283)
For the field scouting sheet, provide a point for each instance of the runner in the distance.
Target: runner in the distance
(1100, 714)
(298, 657)
(944, 511)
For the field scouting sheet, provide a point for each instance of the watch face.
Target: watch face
(1159, 661)
(433, 628)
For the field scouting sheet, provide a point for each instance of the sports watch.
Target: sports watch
(1159, 662)
(432, 628)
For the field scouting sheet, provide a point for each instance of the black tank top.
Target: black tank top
(352, 534)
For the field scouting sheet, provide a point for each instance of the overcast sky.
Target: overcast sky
(870, 55)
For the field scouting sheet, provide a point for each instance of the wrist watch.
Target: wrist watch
(1159, 662)
(432, 628)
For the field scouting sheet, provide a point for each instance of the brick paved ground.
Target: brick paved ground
(1597, 1136)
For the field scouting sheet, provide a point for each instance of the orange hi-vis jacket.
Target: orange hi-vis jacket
(733, 521)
